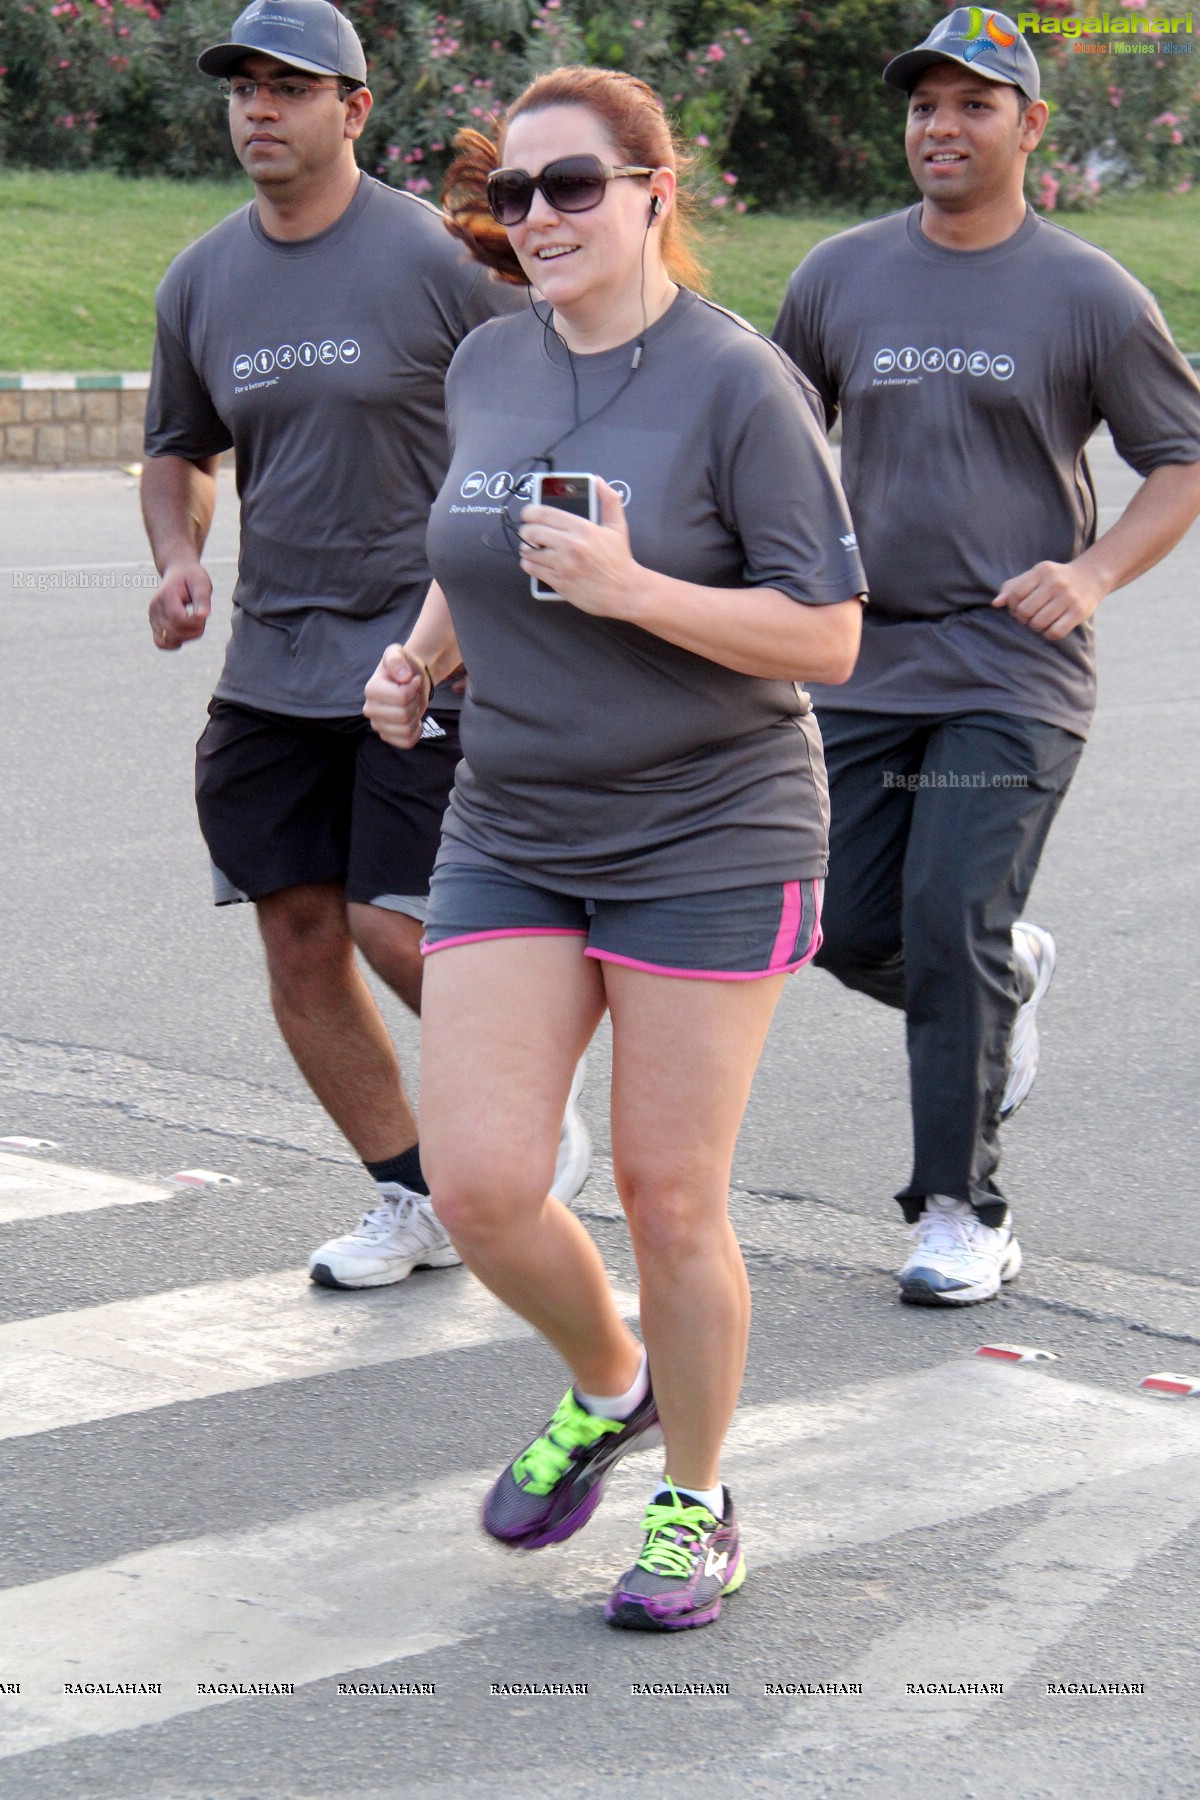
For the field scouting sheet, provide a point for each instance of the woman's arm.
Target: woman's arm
(399, 691)
(757, 631)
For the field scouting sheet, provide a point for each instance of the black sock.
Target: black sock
(405, 1168)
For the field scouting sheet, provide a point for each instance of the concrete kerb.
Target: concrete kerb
(55, 420)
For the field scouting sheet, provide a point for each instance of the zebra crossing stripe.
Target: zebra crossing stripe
(359, 1585)
(33, 1189)
(129, 1356)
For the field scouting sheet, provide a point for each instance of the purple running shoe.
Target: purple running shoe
(554, 1486)
(691, 1560)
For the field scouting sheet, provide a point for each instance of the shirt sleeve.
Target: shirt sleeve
(181, 419)
(780, 492)
(1150, 398)
(795, 331)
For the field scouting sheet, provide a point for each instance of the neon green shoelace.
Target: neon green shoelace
(549, 1457)
(668, 1551)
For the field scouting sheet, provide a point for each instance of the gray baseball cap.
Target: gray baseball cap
(306, 34)
(987, 43)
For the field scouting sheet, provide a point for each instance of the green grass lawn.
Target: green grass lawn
(81, 256)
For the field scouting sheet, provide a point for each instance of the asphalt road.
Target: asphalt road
(210, 1472)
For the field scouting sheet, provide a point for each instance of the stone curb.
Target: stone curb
(57, 420)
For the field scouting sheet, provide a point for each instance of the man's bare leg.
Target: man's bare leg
(329, 1019)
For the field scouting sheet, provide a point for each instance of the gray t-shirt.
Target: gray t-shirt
(969, 384)
(600, 759)
(322, 361)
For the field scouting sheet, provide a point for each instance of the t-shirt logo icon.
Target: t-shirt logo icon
(349, 351)
(622, 490)
(934, 361)
(328, 351)
(500, 486)
(524, 488)
(307, 354)
(909, 360)
(473, 484)
(264, 361)
(956, 361)
(979, 362)
(885, 360)
(285, 357)
(1003, 367)
(242, 367)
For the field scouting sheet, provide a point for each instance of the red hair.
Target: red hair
(633, 116)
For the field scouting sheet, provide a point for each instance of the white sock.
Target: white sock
(713, 1497)
(618, 1406)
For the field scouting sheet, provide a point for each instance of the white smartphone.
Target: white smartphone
(575, 494)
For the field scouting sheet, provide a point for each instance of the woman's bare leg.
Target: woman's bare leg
(684, 1056)
(503, 1024)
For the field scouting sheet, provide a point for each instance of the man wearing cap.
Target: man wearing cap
(311, 331)
(971, 349)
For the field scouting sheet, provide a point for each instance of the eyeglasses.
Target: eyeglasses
(573, 184)
(289, 89)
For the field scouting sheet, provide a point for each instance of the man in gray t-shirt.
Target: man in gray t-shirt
(311, 332)
(971, 349)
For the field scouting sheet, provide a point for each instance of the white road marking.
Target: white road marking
(129, 1356)
(352, 1587)
(224, 1337)
(40, 1190)
(1045, 1580)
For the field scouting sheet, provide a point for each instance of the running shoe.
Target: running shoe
(399, 1235)
(958, 1260)
(690, 1561)
(574, 1144)
(554, 1486)
(1034, 955)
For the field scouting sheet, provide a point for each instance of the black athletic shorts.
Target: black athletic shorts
(286, 801)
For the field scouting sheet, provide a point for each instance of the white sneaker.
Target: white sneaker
(574, 1145)
(1035, 956)
(958, 1259)
(399, 1235)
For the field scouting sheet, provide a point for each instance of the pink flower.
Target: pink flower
(1133, 5)
(639, 24)
(1184, 186)
(1167, 118)
(729, 178)
(417, 184)
(739, 206)
(701, 140)
(393, 152)
(1115, 96)
(1177, 137)
(714, 53)
(1047, 192)
(69, 121)
(719, 200)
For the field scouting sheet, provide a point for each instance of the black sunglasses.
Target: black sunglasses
(573, 184)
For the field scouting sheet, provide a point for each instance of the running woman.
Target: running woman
(640, 821)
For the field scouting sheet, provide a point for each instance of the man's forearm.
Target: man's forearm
(178, 501)
(1150, 527)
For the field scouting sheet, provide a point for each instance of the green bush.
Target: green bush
(781, 101)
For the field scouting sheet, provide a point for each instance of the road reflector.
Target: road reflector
(202, 1178)
(1017, 1353)
(1163, 1383)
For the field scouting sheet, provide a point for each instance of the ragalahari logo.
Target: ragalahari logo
(983, 31)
